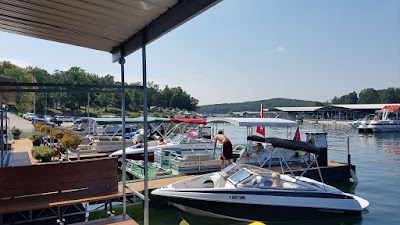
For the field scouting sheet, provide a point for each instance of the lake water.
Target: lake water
(377, 161)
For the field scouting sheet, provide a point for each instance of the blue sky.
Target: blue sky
(248, 50)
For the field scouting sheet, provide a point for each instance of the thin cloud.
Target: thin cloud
(280, 49)
(18, 62)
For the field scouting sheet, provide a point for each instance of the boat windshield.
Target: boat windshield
(240, 175)
(177, 138)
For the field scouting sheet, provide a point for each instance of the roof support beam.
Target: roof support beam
(179, 14)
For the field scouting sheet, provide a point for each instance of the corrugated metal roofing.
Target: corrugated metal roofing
(252, 122)
(105, 25)
(297, 109)
(344, 106)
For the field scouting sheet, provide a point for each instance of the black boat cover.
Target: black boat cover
(286, 144)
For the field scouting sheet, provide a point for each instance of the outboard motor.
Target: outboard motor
(318, 139)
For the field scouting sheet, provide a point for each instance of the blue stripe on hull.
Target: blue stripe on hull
(265, 213)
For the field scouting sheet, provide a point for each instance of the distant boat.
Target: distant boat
(388, 120)
(356, 123)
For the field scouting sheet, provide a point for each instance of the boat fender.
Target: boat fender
(353, 176)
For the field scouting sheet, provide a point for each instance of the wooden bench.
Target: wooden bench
(48, 185)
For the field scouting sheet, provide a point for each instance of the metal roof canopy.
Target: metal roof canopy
(117, 26)
(252, 122)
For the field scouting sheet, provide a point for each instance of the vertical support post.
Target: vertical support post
(146, 126)
(45, 108)
(34, 104)
(7, 124)
(348, 158)
(2, 134)
(87, 108)
(121, 61)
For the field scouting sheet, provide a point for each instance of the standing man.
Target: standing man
(227, 151)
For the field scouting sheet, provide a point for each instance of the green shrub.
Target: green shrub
(42, 153)
(16, 131)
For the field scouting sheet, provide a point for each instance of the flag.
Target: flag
(34, 78)
(34, 81)
(260, 129)
(297, 135)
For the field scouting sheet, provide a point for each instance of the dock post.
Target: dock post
(348, 158)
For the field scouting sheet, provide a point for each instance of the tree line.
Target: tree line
(168, 97)
(370, 96)
(366, 96)
(225, 108)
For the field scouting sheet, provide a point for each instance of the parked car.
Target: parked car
(55, 120)
(43, 121)
(64, 118)
(29, 116)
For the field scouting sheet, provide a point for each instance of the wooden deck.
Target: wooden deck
(112, 220)
(21, 153)
(153, 184)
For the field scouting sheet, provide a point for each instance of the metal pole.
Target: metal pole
(34, 104)
(121, 61)
(88, 99)
(348, 157)
(45, 108)
(2, 134)
(7, 125)
(146, 157)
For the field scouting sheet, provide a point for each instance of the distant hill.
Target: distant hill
(225, 108)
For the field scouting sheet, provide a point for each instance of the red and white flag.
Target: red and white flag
(33, 78)
(297, 135)
(34, 81)
(261, 129)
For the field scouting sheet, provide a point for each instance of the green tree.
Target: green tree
(369, 96)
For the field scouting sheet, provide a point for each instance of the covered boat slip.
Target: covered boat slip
(119, 27)
(251, 123)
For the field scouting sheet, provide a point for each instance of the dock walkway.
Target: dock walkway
(21, 153)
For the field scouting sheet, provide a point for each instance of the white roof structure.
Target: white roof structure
(297, 109)
(363, 106)
(345, 106)
(252, 122)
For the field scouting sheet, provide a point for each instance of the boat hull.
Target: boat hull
(258, 212)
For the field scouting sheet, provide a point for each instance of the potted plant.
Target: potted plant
(36, 139)
(16, 132)
(42, 153)
(71, 140)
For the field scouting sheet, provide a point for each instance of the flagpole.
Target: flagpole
(34, 104)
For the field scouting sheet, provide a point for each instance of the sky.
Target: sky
(250, 50)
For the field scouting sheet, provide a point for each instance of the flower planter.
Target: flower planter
(46, 159)
(16, 137)
(36, 142)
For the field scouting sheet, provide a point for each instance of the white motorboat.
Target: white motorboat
(248, 193)
(356, 123)
(185, 142)
(388, 120)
